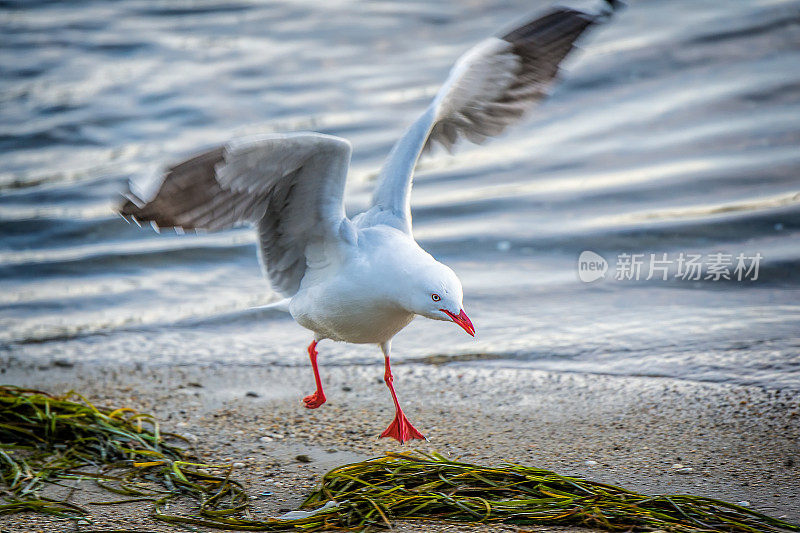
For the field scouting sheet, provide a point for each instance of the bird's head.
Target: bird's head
(437, 294)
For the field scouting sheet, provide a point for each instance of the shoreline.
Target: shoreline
(651, 435)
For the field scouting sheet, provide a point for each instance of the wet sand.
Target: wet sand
(653, 435)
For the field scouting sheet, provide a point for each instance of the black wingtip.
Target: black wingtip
(128, 207)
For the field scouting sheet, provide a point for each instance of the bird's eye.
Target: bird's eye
(435, 297)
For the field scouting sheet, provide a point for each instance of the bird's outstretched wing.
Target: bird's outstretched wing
(489, 88)
(290, 186)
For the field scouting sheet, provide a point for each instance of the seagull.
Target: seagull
(364, 279)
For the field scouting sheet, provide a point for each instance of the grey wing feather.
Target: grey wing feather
(537, 48)
(289, 186)
(489, 88)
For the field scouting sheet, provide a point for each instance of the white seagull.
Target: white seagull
(362, 280)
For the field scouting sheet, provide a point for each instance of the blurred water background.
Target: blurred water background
(676, 129)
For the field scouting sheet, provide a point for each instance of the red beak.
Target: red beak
(462, 320)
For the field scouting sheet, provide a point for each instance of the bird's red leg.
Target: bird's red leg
(400, 429)
(312, 401)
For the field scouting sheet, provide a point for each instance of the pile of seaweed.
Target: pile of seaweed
(45, 440)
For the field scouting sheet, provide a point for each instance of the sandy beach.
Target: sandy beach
(657, 436)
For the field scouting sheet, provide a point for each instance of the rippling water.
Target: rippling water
(676, 130)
